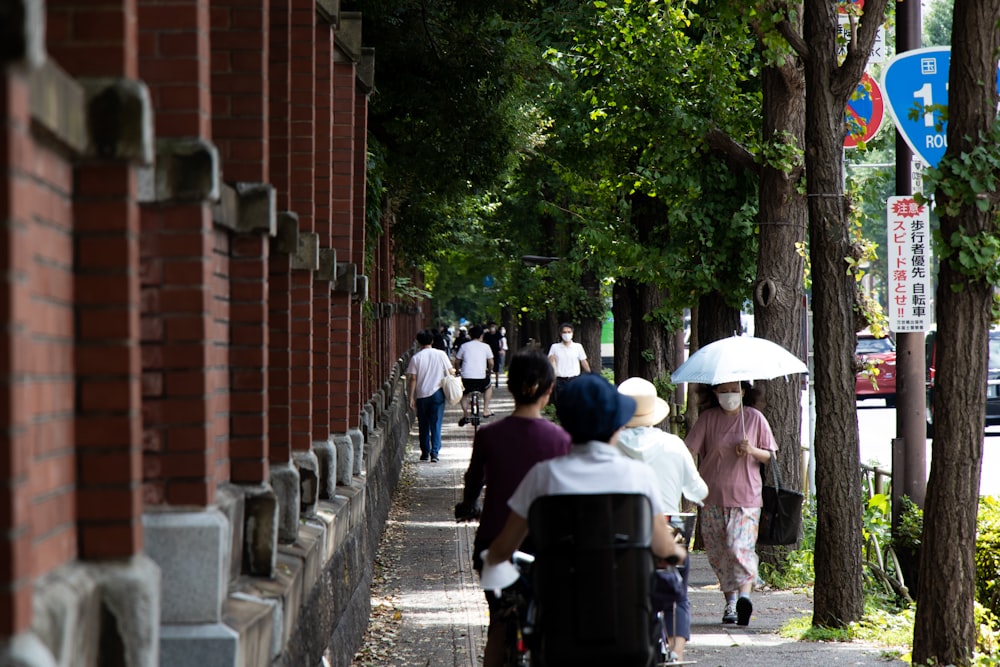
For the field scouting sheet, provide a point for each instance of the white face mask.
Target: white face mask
(567, 337)
(730, 400)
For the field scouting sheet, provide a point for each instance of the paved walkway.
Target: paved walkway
(441, 614)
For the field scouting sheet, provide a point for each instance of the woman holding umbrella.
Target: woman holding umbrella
(731, 439)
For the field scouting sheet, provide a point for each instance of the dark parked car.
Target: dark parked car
(881, 352)
(992, 380)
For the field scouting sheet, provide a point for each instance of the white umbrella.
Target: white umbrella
(738, 358)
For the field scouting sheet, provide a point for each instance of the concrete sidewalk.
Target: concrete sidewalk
(442, 614)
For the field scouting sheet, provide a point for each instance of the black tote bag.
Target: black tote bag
(781, 515)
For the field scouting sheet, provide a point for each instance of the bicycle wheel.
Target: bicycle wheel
(475, 413)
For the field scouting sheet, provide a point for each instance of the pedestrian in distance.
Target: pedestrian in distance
(460, 339)
(676, 474)
(504, 349)
(492, 338)
(475, 362)
(424, 373)
(502, 454)
(568, 358)
(731, 439)
(441, 341)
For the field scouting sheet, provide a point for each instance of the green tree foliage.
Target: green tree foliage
(937, 23)
(637, 89)
(445, 106)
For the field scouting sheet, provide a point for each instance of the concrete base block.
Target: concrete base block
(345, 458)
(286, 589)
(308, 550)
(367, 417)
(308, 467)
(257, 621)
(131, 592)
(260, 530)
(358, 439)
(100, 613)
(326, 455)
(192, 550)
(25, 650)
(229, 500)
(205, 645)
(285, 482)
(66, 614)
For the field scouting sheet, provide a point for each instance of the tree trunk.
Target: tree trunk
(944, 631)
(778, 295)
(716, 319)
(642, 348)
(838, 587)
(623, 308)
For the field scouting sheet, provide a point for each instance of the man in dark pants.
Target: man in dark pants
(568, 358)
(492, 338)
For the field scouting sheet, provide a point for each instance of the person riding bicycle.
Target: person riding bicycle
(593, 412)
(475, 363)
(502, 453)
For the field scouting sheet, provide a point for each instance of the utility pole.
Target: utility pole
(909, 450)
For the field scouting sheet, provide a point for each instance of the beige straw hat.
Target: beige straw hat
(650, 409)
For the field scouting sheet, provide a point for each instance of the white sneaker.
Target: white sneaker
(729, 615)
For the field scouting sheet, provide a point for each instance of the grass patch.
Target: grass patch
(879, 626)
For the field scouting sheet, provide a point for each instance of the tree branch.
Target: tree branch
(794, 39)
(737, 157)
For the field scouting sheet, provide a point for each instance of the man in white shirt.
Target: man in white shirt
(568, 358)
(475, 362)
(424, 374)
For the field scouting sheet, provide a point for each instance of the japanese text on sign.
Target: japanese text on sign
(909, 255)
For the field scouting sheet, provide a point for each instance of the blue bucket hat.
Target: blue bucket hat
(590, 408)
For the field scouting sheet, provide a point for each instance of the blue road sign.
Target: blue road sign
(915, 84)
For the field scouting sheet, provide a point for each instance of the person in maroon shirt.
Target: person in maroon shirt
(502, 454)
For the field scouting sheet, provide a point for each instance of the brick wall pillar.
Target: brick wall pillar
(185, 324)
(16, 439)
(306, 259)
(361, 333)
(345, 343)
(240, 48)
(176, 256)
(323, 443)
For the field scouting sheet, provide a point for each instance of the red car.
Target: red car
(881, 352)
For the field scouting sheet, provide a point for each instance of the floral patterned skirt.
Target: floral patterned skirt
(730, 536)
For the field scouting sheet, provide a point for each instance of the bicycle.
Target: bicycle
(475, 411)
(516, 612)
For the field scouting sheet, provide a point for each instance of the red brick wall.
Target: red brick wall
(279, 273)
(240, 55)
(301, 190)
(183, 355)
(363, 388)
(321, 188)
(147, 354)
(240, 113)
(36, 355)
(103, 42)
(345, 350)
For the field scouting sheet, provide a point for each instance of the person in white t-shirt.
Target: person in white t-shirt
(593, 413)
(568, 358)
(677, 475)
(424, 374)
(475, 362)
